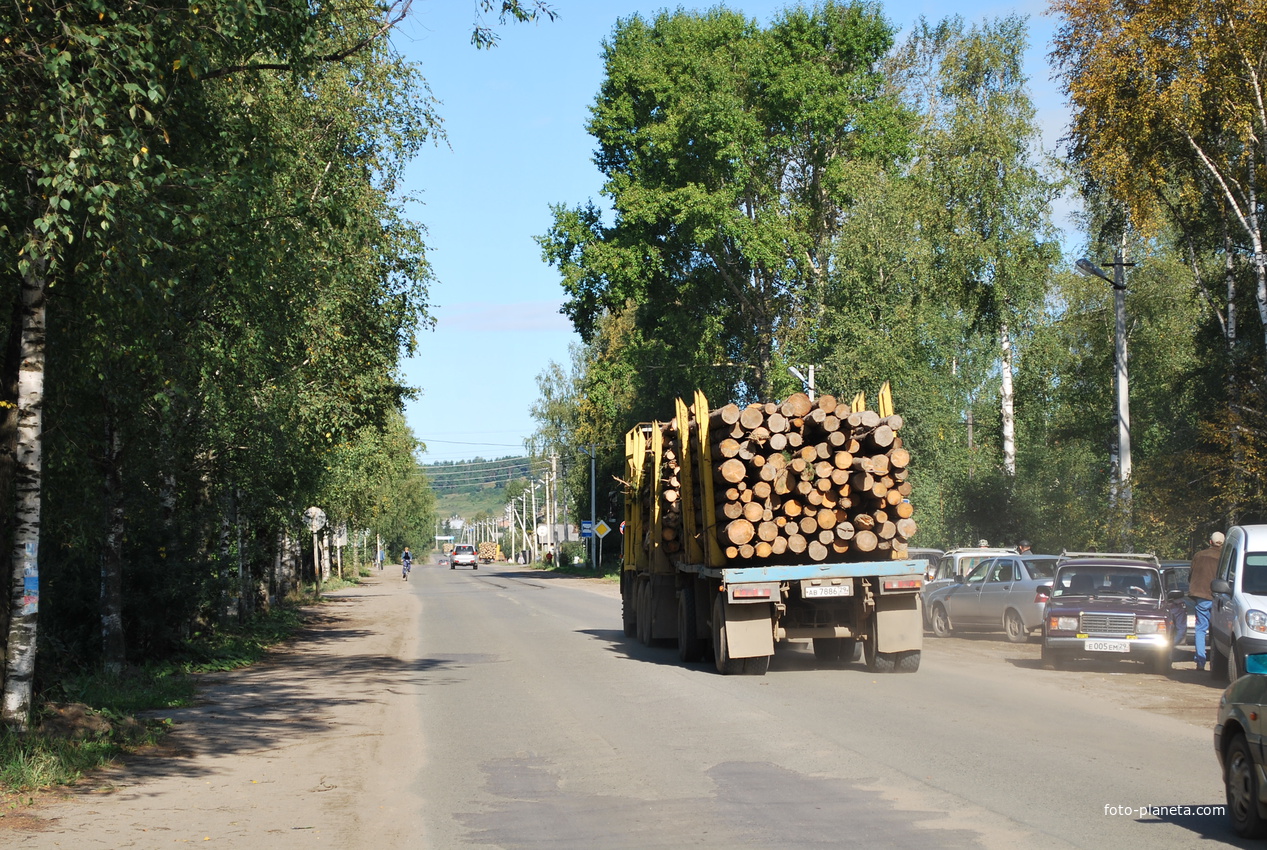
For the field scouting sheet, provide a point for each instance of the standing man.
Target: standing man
(1204, 563)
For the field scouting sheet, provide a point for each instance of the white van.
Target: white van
(1238, 617)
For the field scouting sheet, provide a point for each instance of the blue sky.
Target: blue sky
(515, 120)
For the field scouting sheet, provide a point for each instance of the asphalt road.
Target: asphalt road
(544, 726)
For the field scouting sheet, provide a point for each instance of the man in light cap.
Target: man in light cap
(1204, 563)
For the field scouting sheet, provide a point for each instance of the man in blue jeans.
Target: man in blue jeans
(1204, 564)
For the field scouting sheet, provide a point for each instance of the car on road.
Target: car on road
(1000, 593)
(952, 565)
(1110, 606)
(464, 555)
(1238, 615)
(443, 560)
(1238, 743)
(930, 557)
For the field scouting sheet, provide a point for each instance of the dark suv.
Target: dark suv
(1111, 606)
(464, 556)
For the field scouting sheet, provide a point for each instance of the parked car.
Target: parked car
(1238, 743)
(464, 555)
(1110, 606)
(953, 564)
(1000, 593)
(930, 557)
(1238, 616)
(1174, 576)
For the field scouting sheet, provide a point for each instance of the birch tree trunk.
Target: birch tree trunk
(28, 477)
(1007, 401)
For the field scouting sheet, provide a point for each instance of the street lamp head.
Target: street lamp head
(796, 373)
(1090, 269)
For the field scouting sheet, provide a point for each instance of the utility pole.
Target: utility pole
(593, 507)
(554, 501)
(536, 538)
(1121, 379)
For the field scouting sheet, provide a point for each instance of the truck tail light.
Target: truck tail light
(903, 583)
(751, 592)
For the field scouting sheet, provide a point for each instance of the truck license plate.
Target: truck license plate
(826, 590)
(1108, 646)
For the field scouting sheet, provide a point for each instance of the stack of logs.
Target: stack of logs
(799, 480)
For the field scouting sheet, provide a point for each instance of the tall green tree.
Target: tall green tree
(727, 151)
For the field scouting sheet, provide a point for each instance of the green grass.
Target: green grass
(610, 571)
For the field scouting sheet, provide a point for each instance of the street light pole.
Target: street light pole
(1121, 377)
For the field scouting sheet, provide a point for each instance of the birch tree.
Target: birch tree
(1170, 117)
(978, 155)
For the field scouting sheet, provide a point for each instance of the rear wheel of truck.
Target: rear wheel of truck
(726, 665)
(628, 611)
(829, 650)
(879, 662)
(908, 662)
(690, 646)
(756, 666)
(644, 613)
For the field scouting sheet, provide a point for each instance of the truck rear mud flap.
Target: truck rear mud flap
(749, 632)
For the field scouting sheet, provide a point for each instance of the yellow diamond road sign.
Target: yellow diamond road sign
(601, 528)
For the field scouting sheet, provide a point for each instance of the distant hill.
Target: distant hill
(471, 488)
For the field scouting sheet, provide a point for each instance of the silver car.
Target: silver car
(951, 567)
(1000, 593)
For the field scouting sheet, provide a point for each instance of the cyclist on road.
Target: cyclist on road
(406, 563)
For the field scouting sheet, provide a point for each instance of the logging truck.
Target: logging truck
(749, 526)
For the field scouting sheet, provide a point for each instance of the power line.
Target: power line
(465, 443)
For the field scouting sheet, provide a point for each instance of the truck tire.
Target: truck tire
(644, 613)
(881, 662)
(628, 609)
(829, 650)
(690, 646)
(756, 666)
(726, 665)
(908, 662)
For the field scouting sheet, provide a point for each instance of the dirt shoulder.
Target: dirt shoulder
(305, 747)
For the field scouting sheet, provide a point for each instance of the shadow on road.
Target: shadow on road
(287, 697)
(788, 657)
